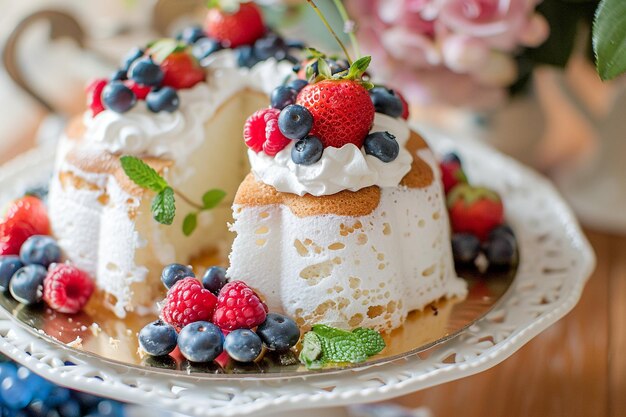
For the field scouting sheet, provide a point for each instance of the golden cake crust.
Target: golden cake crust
(344, 203)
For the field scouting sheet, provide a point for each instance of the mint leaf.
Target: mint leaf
(371, 341)
(164, 206)
(142, 174)
(212, 198)
(190, 223)
(311, 352)
(343, 349)
(329, 332)
(609, 38)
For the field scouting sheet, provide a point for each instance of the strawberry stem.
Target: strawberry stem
(347, 26)
(330, 29)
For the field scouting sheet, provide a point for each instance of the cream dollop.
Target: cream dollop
(345, 168)
(176, 135)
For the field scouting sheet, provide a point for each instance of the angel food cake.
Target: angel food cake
(178, 105)
(342, 220)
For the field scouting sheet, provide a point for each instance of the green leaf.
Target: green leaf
(311, 352)
(371, 340)
(609, 38)
(358, 67)
(190, 223)
(163, 48)
(142, 174)
(212, 198)
(323, 69)
(164, 206)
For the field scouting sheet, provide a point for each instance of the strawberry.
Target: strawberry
(405, 106)
(94, 95)
(475, 210)
(451, 174)
(24, 218)
(242, 27)
(141, 91)
(342, 111)
(182, 70)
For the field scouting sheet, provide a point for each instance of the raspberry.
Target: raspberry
(187, 302)
(239, 307)
(275, 140)
(66, 288)
(141, 91)
(24, 218)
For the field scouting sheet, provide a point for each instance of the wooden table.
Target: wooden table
(575, 368)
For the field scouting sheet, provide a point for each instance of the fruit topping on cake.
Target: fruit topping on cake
(23, 218)
(225, 23)
(67, 289)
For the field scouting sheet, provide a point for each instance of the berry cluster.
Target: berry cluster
(205, 319)
(477, 219)
(153, 74)
(29, 261)
(25, 394)
(333, 110)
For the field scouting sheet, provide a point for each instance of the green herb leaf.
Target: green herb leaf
(190, 223)
(142, 174)
(609, 38)
(358, 67)
(323, 69)
(164, 206)
(212, 198)
(311, 352)
(371, 340)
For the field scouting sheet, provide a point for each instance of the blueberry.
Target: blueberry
(279, 333)
(175, 272)
(119, 75)
(502, 229)
(110, 408)
(245, 56)
(8, 266)
(39, 386)
(70, 408)
(282, 97)
(201, 341)
(40, 250)
(382, 145)
(337, 66)
(133, 55)
(164, 99)
(205, 47)
(295, 121)
(145, 71)
(191, 34)
(26, 286)
(243, 345)
(386, 101)
(501, 250)
(158, 338)
(307, 151)
(270, 46)
(451, 157)
(298, 84)
(15, 394)
(465, 247)
(39, 191)
(214, 279)
(58, 396)
(117, 97)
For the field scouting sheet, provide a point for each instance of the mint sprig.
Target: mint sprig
(325, 344)
(164, 202)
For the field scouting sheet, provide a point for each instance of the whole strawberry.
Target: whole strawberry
(187, 302)
(180, 68)
(475, 210)
(239, 307)
(340, 104)
(451, 172)
(24, 218)
(235, 28)
(93, 93)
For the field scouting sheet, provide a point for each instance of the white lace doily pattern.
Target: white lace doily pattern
(556, 261)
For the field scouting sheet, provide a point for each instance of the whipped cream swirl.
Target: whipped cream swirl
(176, 135)
(345, 168)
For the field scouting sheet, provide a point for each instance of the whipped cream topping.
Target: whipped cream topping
(345, 168)
(176, 135)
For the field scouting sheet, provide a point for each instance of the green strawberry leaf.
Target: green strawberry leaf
(163, 48)
(470, 194)
(372, 342)
(190, 223)
(164, 206)
(358, 67)
(609, 38)
(212, 198)
(312, 53)
(323, 69)
(142, 174)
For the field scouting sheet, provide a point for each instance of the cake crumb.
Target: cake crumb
(95, 329)
(76, 343)
(115, 343)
